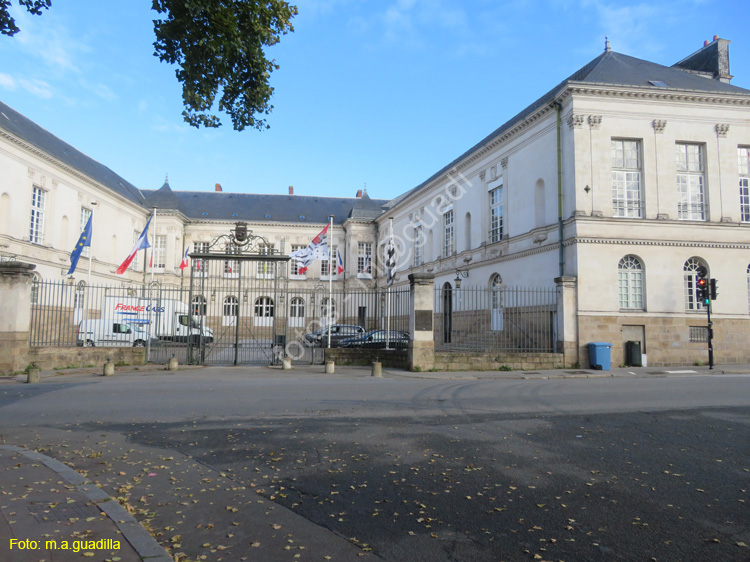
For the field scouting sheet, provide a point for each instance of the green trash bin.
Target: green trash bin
(600, 355)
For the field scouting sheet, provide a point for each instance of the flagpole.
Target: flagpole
(153, 246)
(330, 275)
(91, 258)
(388, 294)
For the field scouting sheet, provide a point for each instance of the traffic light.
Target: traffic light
(702, 285)
(714, 286)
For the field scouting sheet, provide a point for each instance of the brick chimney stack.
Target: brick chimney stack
(359, 194)
(218, 187)
(291, 190)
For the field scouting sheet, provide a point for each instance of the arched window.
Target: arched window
(80, 295)
(264, 307)
(199, 305)
(630, 283)
(324, 311)
(35, 288)
(496, 304)
(230, 306)
(690, 271)
(296, 312)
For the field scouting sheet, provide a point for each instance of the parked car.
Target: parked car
(109, 333)
(377, 340)
(339, 332)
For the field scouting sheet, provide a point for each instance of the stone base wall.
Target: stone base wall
(61, 357)
(14, 352)
(364, 357)
(667, 339)
(453, 361)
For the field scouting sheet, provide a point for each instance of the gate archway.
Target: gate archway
(237, 292)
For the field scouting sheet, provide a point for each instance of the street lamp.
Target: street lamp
(460, 275)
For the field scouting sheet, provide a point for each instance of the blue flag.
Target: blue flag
(84, 240)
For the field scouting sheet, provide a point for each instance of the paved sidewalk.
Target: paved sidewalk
(50, 512)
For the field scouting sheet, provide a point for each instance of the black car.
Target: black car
(377, 340)
(339, 332)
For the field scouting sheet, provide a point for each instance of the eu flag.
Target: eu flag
(84, 240)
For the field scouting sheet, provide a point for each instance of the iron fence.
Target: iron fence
(237, 318)
(505, 319)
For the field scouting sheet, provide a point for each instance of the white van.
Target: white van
(107, 333)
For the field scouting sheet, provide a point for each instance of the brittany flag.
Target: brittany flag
(184, 262)
(140, 244)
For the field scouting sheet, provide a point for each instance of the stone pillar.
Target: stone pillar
(567, 319)
(15, 315)
(421, 351)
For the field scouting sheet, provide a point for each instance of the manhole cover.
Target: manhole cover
(51, 512)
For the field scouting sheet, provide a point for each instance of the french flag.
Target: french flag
(340, 268)
(184, 262)
(140, 244)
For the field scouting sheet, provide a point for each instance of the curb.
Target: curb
(139, 538)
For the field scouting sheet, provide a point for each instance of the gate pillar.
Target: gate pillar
(15, 315)
(567, 319)
(421, 351)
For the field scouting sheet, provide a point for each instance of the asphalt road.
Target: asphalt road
(405, 469)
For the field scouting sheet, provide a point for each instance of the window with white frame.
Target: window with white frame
(265, 269)
(690, 271)
(199, 305)
(496, 214)
(38, 203)
(231, 267)
(630, 283)
(85, 215)
(264, 311)
(691, 182)
(324, 264)
(627, 192)
(160, 252)
(364, 258)
(497, 303)
(136, 259)
(296, 312)
(231, 305)
(418, 245)
(199, 265)
(448, 238)
(294, 264)
(35, 285)
(324, 311)
(743, 157)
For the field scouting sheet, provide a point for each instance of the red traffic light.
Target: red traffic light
(701, 282)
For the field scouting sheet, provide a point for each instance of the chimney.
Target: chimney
(218, 187)
(359, 194)
(291, 190)
(712, 60)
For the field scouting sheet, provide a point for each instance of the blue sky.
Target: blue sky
(382, 93)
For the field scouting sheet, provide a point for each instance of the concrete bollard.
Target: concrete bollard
(377, 369)
(173, 364)
(109, 369)
(286, 364)
(329, 367)
(33, 376)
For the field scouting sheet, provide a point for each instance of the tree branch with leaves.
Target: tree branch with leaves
(219, 47)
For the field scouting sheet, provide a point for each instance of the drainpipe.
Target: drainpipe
(561, 255)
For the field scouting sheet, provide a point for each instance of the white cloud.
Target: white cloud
(38, 88)
(7, 82)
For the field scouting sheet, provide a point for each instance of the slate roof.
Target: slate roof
(28, 131)
(302, 209)
(609, 68)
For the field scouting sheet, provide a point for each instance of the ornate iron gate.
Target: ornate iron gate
(236, 297)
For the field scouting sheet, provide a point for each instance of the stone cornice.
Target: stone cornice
(631, 92)
(662, 243)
